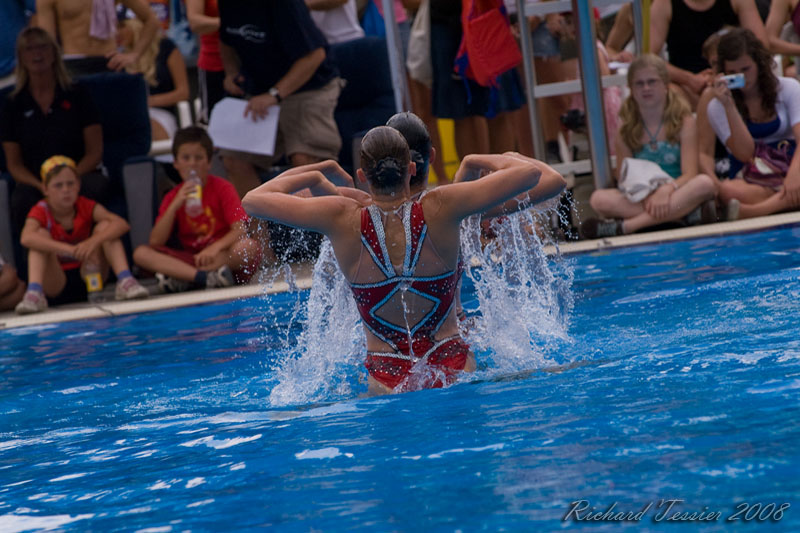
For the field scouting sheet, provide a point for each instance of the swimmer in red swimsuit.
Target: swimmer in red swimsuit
(399, 255)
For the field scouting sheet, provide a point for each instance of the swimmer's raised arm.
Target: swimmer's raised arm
(330, 168)
(297, 182)
(310, 185)
(275, 200)
(550, 184)
(509, 177)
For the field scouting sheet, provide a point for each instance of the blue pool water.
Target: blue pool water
(677, 376)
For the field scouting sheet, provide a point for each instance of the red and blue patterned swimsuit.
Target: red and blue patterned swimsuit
(410, 342)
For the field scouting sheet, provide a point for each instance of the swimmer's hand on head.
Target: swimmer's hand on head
(325, 178)
(477, 166)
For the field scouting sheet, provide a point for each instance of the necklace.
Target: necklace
(653, 137)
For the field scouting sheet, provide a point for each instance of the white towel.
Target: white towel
(640, 177)
(104, 19)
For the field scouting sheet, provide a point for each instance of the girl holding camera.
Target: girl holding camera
(758, 124)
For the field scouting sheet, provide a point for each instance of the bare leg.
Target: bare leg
(11, 288)
(756, 201)
(158, 131)
(774, 204)
(154, 261)
(501, 134)
(472, 136)
(44, 269)
(612, 203)
(693, 193)
(244, 255)
(421, 102)
(522, 125)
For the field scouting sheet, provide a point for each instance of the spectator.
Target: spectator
(46, 114)
(336, 19)
(13, 17)
(164, 70)
(212, 245)
(657, 126)
(86, 30)
(11, 287)
(713, 157)
(685, 24)
(546, 33)
(420, 81)
(763, 114)
(69, 236)
(782, 30)
(203, 18)
(620, 35)
(274, 54)
(468, 108)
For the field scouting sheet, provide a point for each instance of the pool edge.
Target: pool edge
(86, 311)
(694, 232)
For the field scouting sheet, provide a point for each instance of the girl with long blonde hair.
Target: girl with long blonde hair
(658, 127)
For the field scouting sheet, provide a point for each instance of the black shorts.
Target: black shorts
(74, 290)
(451, 99)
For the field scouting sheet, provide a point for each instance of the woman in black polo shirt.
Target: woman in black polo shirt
(46, 114)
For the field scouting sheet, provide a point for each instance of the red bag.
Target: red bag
(488, 49)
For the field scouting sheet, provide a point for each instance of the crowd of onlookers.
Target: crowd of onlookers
(704, 131)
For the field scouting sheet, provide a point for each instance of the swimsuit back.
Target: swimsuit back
(381, 303)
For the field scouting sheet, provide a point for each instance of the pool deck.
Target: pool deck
(302, 273)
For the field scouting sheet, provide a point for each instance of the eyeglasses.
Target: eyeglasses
(652, 82)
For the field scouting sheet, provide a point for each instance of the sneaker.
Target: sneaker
(222, 277)
(594, 228)
(32, 302)
(694, 217)
(130, 289)
(732, 210)
(168, 285)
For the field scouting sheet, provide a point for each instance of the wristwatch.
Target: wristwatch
(276, 93)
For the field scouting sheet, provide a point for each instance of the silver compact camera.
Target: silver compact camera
(734, 81)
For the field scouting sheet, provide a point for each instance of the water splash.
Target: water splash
(327, 360)
(520, 311)
(524, 297)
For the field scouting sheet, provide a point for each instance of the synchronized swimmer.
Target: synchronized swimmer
(405, 286)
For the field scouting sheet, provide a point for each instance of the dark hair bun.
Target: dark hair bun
(387, 172)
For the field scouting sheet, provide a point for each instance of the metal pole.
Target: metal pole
(592, 92)
(526, 44)
(397, 62)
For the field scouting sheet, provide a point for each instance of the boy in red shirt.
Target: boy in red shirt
(213, 245)
(68, 236)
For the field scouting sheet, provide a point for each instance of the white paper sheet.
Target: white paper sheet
(230, 129)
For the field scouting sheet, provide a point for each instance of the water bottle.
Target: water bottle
(94, 282)
(194, 200)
